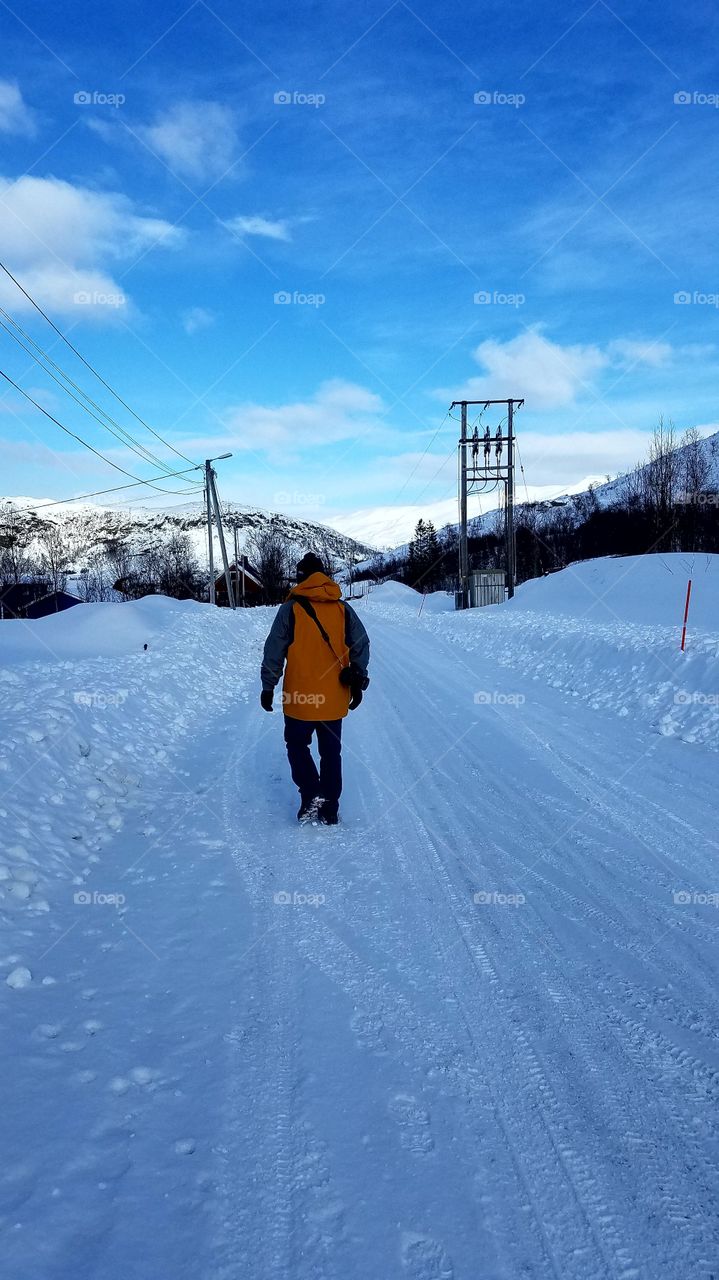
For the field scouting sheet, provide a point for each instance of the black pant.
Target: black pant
(327, 782)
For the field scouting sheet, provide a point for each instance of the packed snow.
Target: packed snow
(471, 1031)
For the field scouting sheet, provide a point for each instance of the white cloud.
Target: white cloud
(198, 140)
(253, 225)
(15, 115)
(628, 352)
(550, 375)
(61, 239)
(547, 374)
(338, 411)
(197, 318)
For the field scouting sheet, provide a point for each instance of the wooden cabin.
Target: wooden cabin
(246, 584)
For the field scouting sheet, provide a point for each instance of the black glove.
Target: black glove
(355, 697)
(266, 699)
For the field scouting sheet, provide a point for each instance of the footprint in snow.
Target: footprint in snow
(425, 1259)
(413, 1122)
(369, 1032)
(47, 1031)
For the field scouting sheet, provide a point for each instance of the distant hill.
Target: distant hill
(91, 527)
(610, 493)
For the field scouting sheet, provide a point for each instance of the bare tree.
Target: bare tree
(95, 580)
(659, 480)
(118, 556)
(694, 466)
(176, 568)
(269, 553)
(55, 556)
(16, 561)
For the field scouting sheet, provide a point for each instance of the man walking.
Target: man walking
(324, 649)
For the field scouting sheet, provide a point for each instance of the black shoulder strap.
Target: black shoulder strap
(306, 605)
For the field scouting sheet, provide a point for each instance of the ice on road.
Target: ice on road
(471, 1032)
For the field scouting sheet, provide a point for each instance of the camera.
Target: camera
(352, 678)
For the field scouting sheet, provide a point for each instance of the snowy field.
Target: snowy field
(470, 1034)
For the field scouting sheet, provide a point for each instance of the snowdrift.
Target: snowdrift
(643, 590)
(397, 593)
(87, 712)
(605, 631)
(93, 630)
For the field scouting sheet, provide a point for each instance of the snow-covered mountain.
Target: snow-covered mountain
(90, 527)
(392, 526)
(611, 492)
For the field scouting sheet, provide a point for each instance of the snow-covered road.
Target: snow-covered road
(472, 1032)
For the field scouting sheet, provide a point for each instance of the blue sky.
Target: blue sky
(156, 197)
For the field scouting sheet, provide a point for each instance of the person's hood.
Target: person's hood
(318, 588)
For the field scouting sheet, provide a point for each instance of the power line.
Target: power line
(98, 493)
(129, 438)
(422, 458)
(521, 468)
(115, 465)
(92, 369)
(120, 434)
(438, 472)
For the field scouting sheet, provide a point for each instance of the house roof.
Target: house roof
(249, 573)
(20, 595)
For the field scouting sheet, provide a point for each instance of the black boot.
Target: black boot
(307, 810)
(327, 814)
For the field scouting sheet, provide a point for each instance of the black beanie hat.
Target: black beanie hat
(309, 564)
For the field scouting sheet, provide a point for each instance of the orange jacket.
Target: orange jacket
(311, 688)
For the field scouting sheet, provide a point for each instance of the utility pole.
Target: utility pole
(210, 553)
(463, 537)
(211, 496)
(223, 548)
(511, 550)
(484, 475)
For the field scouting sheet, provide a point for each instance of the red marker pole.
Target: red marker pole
(686, 614)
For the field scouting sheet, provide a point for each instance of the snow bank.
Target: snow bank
(643, 590)
(396, 593)
(93, 630)
(404, 597)
(606, 631)
(87, 715)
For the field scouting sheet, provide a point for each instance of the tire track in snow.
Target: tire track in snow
(663, 1168)
(578, 1169)
(564, 1225)
(291, 1191)
(260, 1160)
